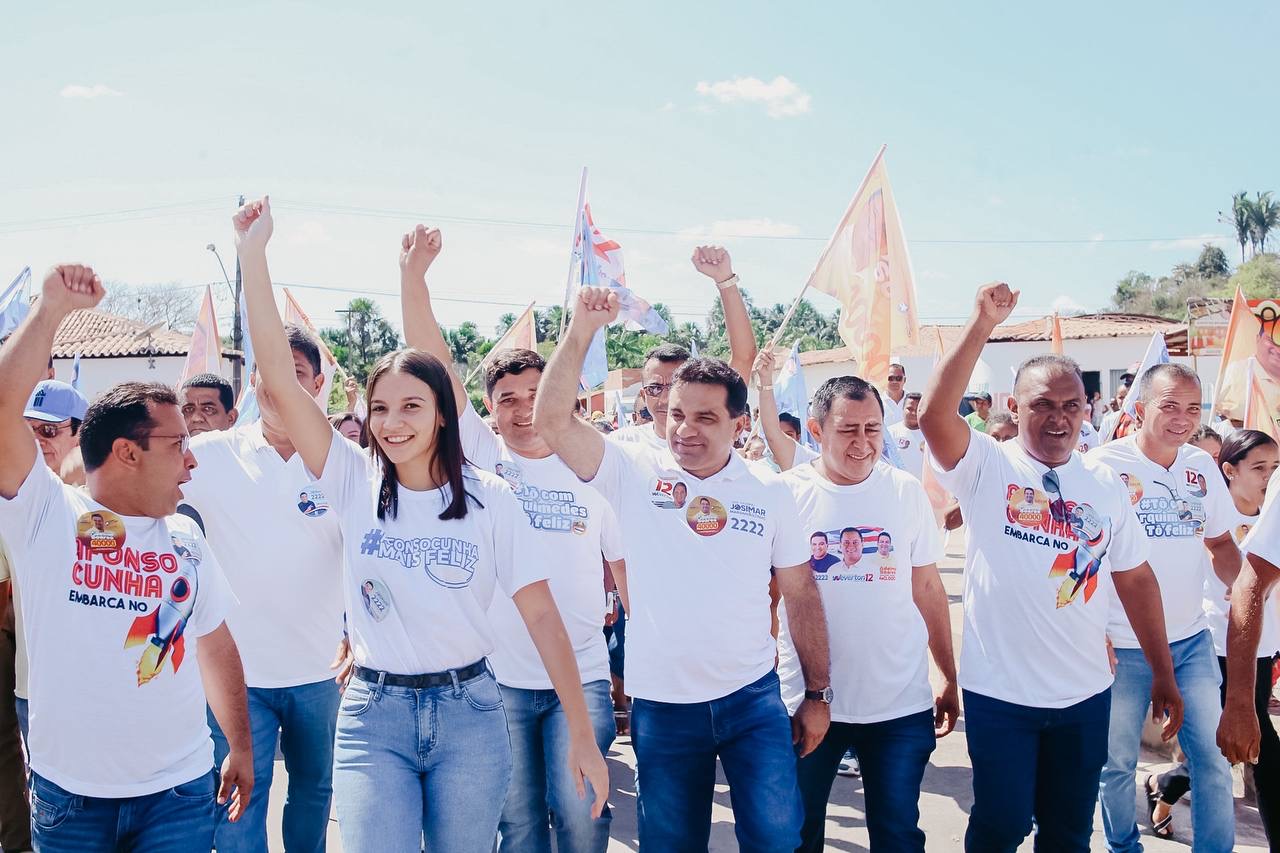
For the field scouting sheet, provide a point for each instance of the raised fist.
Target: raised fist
(595, 308)
(68, 287)
(996, 302)
(713, 262)
(418, 249)
(764, 366)
(253, 225)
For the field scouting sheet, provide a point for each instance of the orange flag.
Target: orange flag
(1241, 344)
(1259, 412)
(205, 353)
(522, 334)
(939, 498)
(294, 314)
(1055, 335)
(866, 267)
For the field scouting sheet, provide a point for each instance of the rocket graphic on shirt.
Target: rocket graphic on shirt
(1079, 566)
(161, 630)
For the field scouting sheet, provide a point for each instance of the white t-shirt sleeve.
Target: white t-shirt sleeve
(962, 480)
(347, 472)
(520, 559)
(1264, 537)
(479, 444)
(617, 461)
(610, 534)
(1129, 546)
(790, 541)
(928, 546)
(23, 517)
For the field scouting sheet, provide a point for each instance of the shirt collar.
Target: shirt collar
(736, 468)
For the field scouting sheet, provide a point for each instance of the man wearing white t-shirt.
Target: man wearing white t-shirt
(700, 653)
(126, 634)
(883, 624)
(661, 362)
(573, 526)
(269, 523)
(1033, 665)
(896, 396)
(1165, 474)
(907, 435)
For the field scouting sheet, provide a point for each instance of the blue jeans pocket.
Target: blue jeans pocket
(50, 804)
(200, 788)
(356, 699)
(482, 693)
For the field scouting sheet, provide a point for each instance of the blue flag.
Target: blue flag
(75, 372)
(248, 403)
(791, 394)
(14, 303)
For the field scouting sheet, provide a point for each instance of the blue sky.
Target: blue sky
(1123, 127)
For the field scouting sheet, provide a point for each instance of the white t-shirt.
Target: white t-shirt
(699, 555)
(894, 411)
(1178, 508)
(1089, 438)
(1217, 601)
(272, 530)
(910, 447)
(879, 641)
(1263, 539)
(1036, 604)
(644, 434)
(417, 588)
(572, 525)
(115, 606)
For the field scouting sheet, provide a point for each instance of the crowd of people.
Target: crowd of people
(507, 592)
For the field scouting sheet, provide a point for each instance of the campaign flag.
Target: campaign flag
(14, 303)
(294, 314)
(75, 372)
(867, 269)
(1240, 344)
(522, 334)
(597, 262)
(1259, 411)
(791, 395)
(1157, 353)
(1055, 335)
(939, 498)
(621, 414)
(205, 353)
(247, 405)
(693, 348)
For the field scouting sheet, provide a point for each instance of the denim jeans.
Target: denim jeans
(302, 719)
(1195, 666)
(540, 780)
(24, 718)
(1040, 763)
(893, 755)
(411, 763)
(676, 747)
(178, 820)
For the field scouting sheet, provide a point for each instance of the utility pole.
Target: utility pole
(237, 328)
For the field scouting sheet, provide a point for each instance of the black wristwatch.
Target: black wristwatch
(823, 695)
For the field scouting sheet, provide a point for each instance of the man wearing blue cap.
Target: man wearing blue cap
(54, 413)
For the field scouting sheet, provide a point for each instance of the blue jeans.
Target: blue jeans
(178, 820)
(1195, 666)
(302, 718)
(540, 779)
(1040, 763)
(676, 747)
(24, 718)
(413, 762)
(893, 754)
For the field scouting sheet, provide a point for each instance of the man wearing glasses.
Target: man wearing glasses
(662, 362)
(895, 397)
(1033, 668)
(1189, 528)
(108, 648)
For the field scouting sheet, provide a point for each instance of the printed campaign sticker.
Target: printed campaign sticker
(1027, 506)
(376, 598)
(1134, 485)
(669, 494)
(706, 516)
(312, 502)
(100, 530)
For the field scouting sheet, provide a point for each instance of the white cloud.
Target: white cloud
(742, 228)
(668, 107)
(1183, 244)
(1066, 305)
(97, 90)
(781, 97)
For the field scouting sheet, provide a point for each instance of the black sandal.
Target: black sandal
(1160, 829)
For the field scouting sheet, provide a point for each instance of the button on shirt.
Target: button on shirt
(910, 443)
(274, 530)
(699, 554)
(1036, 604)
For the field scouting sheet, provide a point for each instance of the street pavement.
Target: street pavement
(945, 797)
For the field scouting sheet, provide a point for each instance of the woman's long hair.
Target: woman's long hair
(1240, 444)
(448, 461)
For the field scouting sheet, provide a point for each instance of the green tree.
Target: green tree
(1259, 278)
(366, 338)
(1239, 219)
(463, 342)
(1264, 217)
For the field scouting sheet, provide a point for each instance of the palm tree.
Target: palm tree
(1239, 219)
(1264, 216)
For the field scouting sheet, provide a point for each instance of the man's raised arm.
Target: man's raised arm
(577, 443)
(945, 432)
(781, 445)
(24, 361)
(422, 331)
(714, 262)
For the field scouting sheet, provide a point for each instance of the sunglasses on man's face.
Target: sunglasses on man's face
(49, 430)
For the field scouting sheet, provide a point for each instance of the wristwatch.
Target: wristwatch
(823, 695)
(731, 281)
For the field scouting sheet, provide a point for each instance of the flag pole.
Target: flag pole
(510, 329)
(577, 224)
(777, 335)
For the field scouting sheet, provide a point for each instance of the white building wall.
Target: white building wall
(99, 374)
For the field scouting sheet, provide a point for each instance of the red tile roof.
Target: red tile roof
(97, 334)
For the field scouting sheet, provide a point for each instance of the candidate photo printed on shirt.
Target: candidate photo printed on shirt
(100, 530)
(706, 515)
(858, 553)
